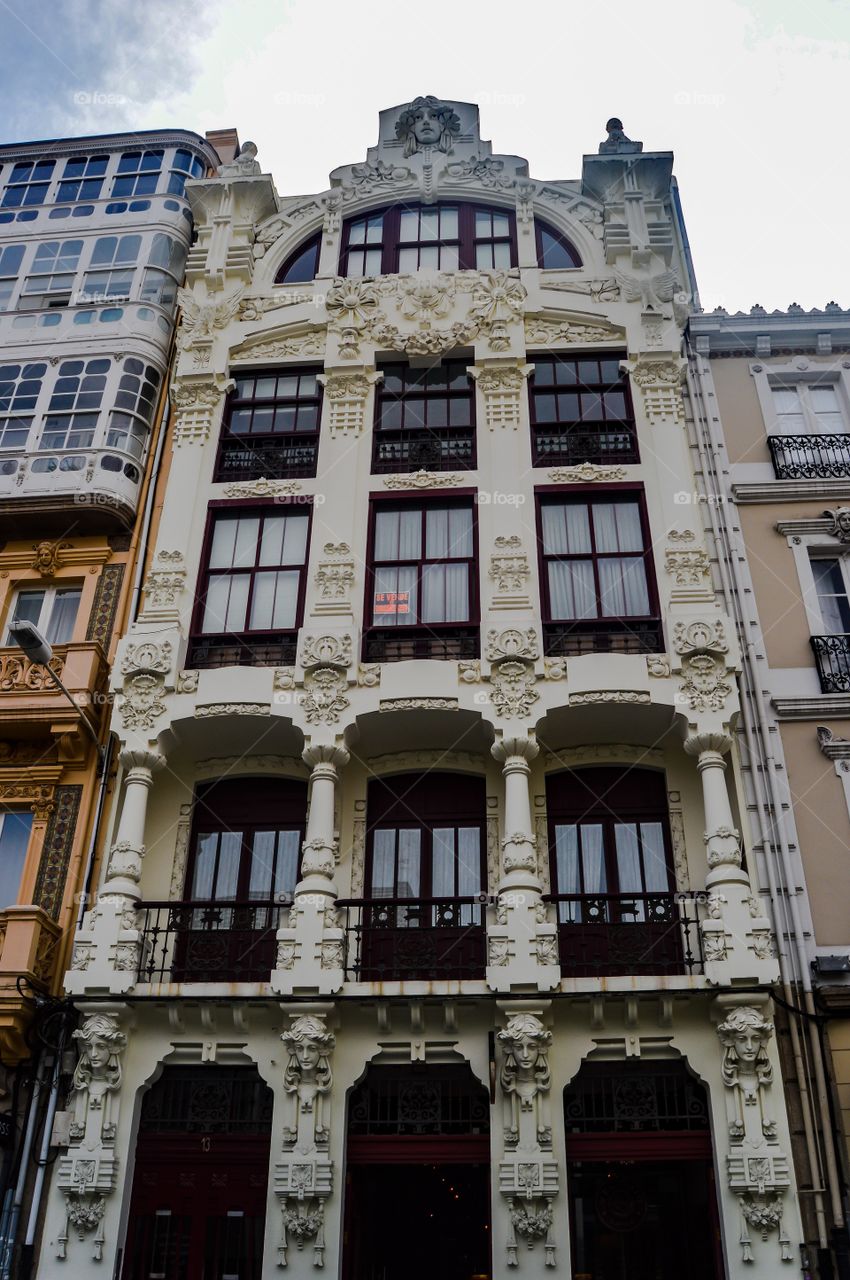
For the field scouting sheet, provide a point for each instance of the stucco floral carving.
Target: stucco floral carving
(704, 683)
(326, 651)
(542, 332)
(262, 488)
(699, 637)
(141, 702)
(147, 656)
(423, 480)
(324, 695)
(509, 568)
(587, 471)
(512, 689)
(688, 567)
(512, 643)
(194, 403)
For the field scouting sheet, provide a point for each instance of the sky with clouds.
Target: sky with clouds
(751, 97)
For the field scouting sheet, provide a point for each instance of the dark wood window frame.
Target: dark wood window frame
(466, 239)
(247, 648)
(249, 455)
(570, 438)
(630, 633)
(434, 447)
(446, 640)
(312, 245)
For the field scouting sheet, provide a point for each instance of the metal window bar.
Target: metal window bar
(629, 933)
(832, 655)
(390, 939)
(810, 457)
(208, 941)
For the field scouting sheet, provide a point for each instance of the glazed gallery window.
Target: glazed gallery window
(27, 184)
(427, 839)
(14, 837)
(424, 417)
(581, 410)
(20, 386)
(807, 407)
(138, 173)
(831, 587)
(423, 565)
(135, 400)
(608, 837)
(164, 271)
(443, 237)
(183, 166)
(255, 573)
(11, 258)
(51, 277)
(301, 266)
(594, 559)
(72, 412)
(53, 610)
(82, 178)
(111, 269)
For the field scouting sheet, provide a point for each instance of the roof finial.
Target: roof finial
(617, 142)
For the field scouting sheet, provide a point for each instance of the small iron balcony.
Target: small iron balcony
(832, 655)
(810, 457)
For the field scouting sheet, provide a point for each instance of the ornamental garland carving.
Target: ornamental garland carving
(604, 696)
(704, 685)
(262, 488)
(423, 480)
(335, 579)
(586, 471)
(309, 344)
(542, 332)
(512, 689)
(324, 699)
(141, 702)
(688, 567)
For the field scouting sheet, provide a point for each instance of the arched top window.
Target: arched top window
(302, 264)
(553, 249)
(449, 236)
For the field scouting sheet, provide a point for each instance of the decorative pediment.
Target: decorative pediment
(568, 328)
(281, 341)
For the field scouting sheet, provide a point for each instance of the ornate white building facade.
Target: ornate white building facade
(427, 937)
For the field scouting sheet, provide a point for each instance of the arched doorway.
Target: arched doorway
(418, 1175)
(202, 1164)
(639, 1174)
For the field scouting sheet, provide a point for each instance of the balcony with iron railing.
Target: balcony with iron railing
(250, 649)
(600, 635)
(832, 655)
(571, 445)
(267, 457)
(436, 642)
(392, 939)
(632, 934)
(811, 457)
(208, 941)
(452, 448)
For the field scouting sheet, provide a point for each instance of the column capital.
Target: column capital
(503, 749)
(334, 755)
(697, 744)
(138, 758)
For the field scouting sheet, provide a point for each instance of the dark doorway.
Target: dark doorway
(639, 1174)
(418, 1221)
(199, 1189)
(418, 1182)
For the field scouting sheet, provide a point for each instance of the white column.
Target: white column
(735, 935)
(124, 868)
(310, 949)
(522, 949)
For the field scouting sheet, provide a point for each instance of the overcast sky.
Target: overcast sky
(751, 95)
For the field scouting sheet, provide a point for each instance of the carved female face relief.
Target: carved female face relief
(426, 126)
(307, 1053)
(427, 122)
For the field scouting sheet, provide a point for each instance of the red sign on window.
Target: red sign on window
(394, 602)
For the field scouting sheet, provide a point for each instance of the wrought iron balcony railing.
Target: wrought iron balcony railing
(571, 639)
(628, 934)
(400, 644)
(452, 448)
(208, 941)
(810, 457)
(579, 444)
(272, 457)
(389, 939)
(255, 649)
(832, 655)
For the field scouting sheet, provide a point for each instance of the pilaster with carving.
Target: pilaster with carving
(528, 1171)
(303, 1177)
(311, 949)
(88, 1172)
(756, 1165)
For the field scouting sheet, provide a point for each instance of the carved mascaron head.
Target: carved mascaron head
(100, 1042)
(427, 122)
(309, 1045)
(744, 1035)
(525, 1042)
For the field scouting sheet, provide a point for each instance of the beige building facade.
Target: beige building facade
(769, 396)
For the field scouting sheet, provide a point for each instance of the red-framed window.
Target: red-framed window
(250, 599)
(450, 236)
(581, 410)
(302, 264)
(424, 417)
(271, 427)
(422, 581)
(596, 572)
(246, 840)
(553, 248)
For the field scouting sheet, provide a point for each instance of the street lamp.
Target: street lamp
(32, 643)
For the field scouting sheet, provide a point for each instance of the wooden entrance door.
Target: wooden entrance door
(199, 1189)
